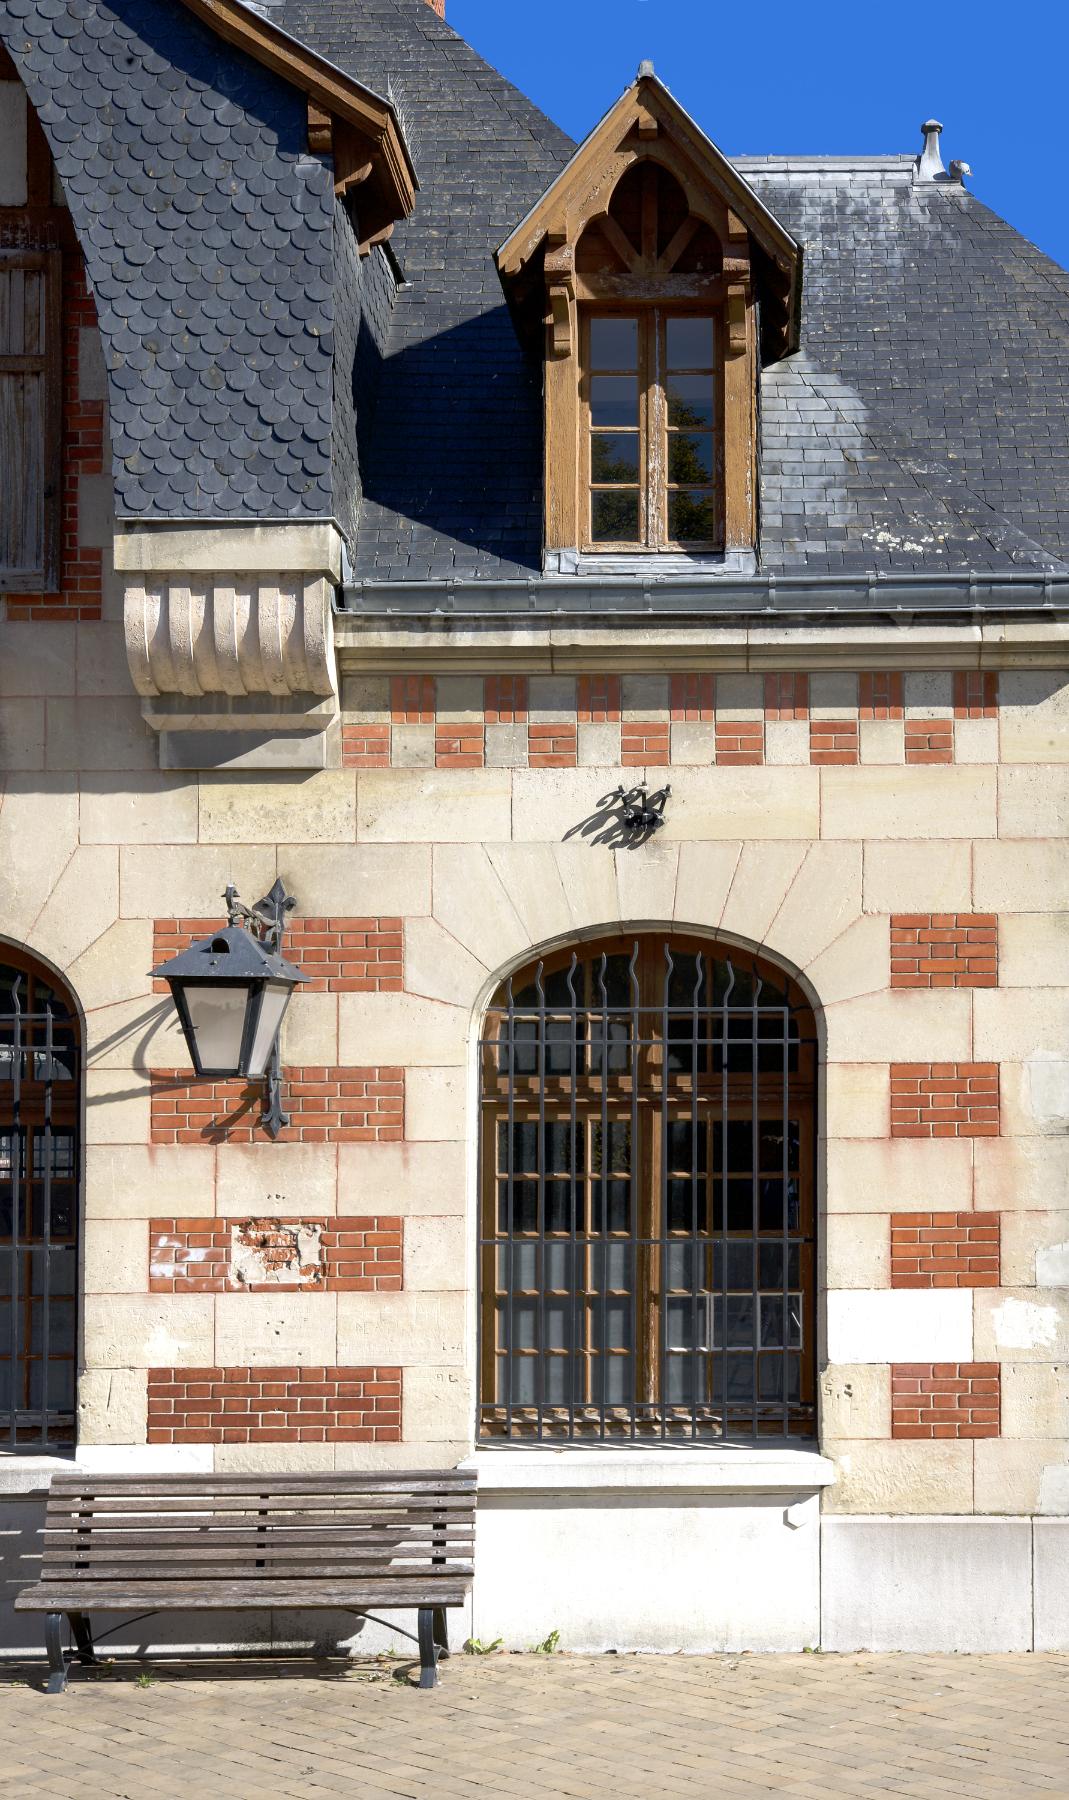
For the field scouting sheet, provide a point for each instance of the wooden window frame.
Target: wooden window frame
(647, 1113)
(47, 361)
(654, 486)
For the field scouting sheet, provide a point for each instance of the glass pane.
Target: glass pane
(557, 1369)
(740, 1320)
(740, 1378)
(690, 401)
(771, 1265)
(618, 1135)
(739, 1146)
(523, 1380)
(559, 1206)
(558, 1324)
(217, 1020)
(524, 1147)
(689, 344)
(524, 1318)
(614, 344)
(524, 1206)
(614, 517)
(739, 1266)
(771, 1145)
(617, 1323)
(619, 1196)
(680, 1145)
(562, 1156)
(690, 458)
(614, 400)
(614, 457)
(691, 518)
(740, 1205)
(687, 1205)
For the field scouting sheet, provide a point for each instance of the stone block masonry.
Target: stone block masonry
(945, 1250)
(274, 1406)
(220, 1256)
(326, 1106)
(944, 950)
(945, 1100)
(339, 955)
(945, 1400)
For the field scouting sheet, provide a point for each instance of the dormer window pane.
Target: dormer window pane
(614, 400)
(691, 400)
(614, 516)
(614, 344)
(689, 344)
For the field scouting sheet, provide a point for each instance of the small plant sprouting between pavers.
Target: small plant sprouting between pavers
(549, 1645)
(475, 1647)
(144, 1679)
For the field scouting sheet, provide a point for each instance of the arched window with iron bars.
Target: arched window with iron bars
(647, 1217)
(40, 1179)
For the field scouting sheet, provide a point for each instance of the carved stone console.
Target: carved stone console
(229, 636)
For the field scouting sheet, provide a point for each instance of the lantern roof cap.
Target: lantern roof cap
(229, 954)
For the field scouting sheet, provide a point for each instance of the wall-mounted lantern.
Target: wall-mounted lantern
(231, 991)
(643, 813)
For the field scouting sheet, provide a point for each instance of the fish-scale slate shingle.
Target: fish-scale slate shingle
(208, 235)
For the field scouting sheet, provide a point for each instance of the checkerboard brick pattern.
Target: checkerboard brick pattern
(739, 707)
(945, 1400)
(327, 1105)
(945, 1250)
(339, 955)
(944, 950)
(219, 1256)
(274, 1406)
(945, 1100)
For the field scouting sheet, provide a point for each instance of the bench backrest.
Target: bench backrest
(194, 1528)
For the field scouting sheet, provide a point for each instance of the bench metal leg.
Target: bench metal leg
(57, 1662)
(441, 1632)
(83, 1637)
(428, 1646)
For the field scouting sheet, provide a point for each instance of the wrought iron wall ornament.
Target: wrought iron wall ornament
(643, 812)
(231, 991)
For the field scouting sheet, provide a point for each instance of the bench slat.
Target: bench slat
(336, 1503)
(207, 1533)
(244, 1596)
(405, 1481)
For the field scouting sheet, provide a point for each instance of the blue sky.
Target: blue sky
(828, 77)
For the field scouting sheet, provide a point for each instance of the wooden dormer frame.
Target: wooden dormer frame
(545, 289)
(346, 121)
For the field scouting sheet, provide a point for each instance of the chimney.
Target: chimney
(930, 163)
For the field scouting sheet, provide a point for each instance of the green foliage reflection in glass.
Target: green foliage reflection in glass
(614, 443)
(690, 356)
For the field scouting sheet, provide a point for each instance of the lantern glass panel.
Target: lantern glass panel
(272, 1006)
(217, 1020)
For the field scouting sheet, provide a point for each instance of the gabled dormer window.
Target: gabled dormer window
(638, 277)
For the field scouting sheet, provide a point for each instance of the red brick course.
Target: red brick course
(880, 696)
(459, 746)
(326, 1106)
(412, 699)
(365, 746)
(786, 696)
(945, 1250)
(944, 950)
(339, 955)
(929, 740)
(552, 744)
(274, 1406)
(599, 699)
(691, 698)
(644, 741)
(740, 742)
(976, 695)
(944, 1100)
(195, 1256)
(833, 741)
(945, 1400)
(505, 699)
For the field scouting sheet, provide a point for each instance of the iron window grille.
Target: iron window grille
(40, 1160)
(647, 1235)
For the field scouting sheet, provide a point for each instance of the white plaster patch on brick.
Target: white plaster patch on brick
(878, 1325)
(267, 1253)
(1052, 1266)
(1024, 1325)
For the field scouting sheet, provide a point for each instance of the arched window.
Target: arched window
(647, 1232)
(40, 1165)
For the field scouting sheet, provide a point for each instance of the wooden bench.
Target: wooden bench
(170, 1543)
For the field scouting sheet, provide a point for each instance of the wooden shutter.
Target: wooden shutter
(30, 421)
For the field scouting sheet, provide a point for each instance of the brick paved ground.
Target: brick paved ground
(530, 1728)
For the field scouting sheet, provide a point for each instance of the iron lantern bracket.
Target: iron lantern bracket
(643, 812)
(266, 921)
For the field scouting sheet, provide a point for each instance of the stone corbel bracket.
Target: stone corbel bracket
(229, 637)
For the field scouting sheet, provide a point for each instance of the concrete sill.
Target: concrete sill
(572, 1470)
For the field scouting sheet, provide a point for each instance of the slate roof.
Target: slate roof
(921, 426)
(208, 235)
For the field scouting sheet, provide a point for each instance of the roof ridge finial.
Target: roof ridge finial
(645, 68)
(929, 162)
